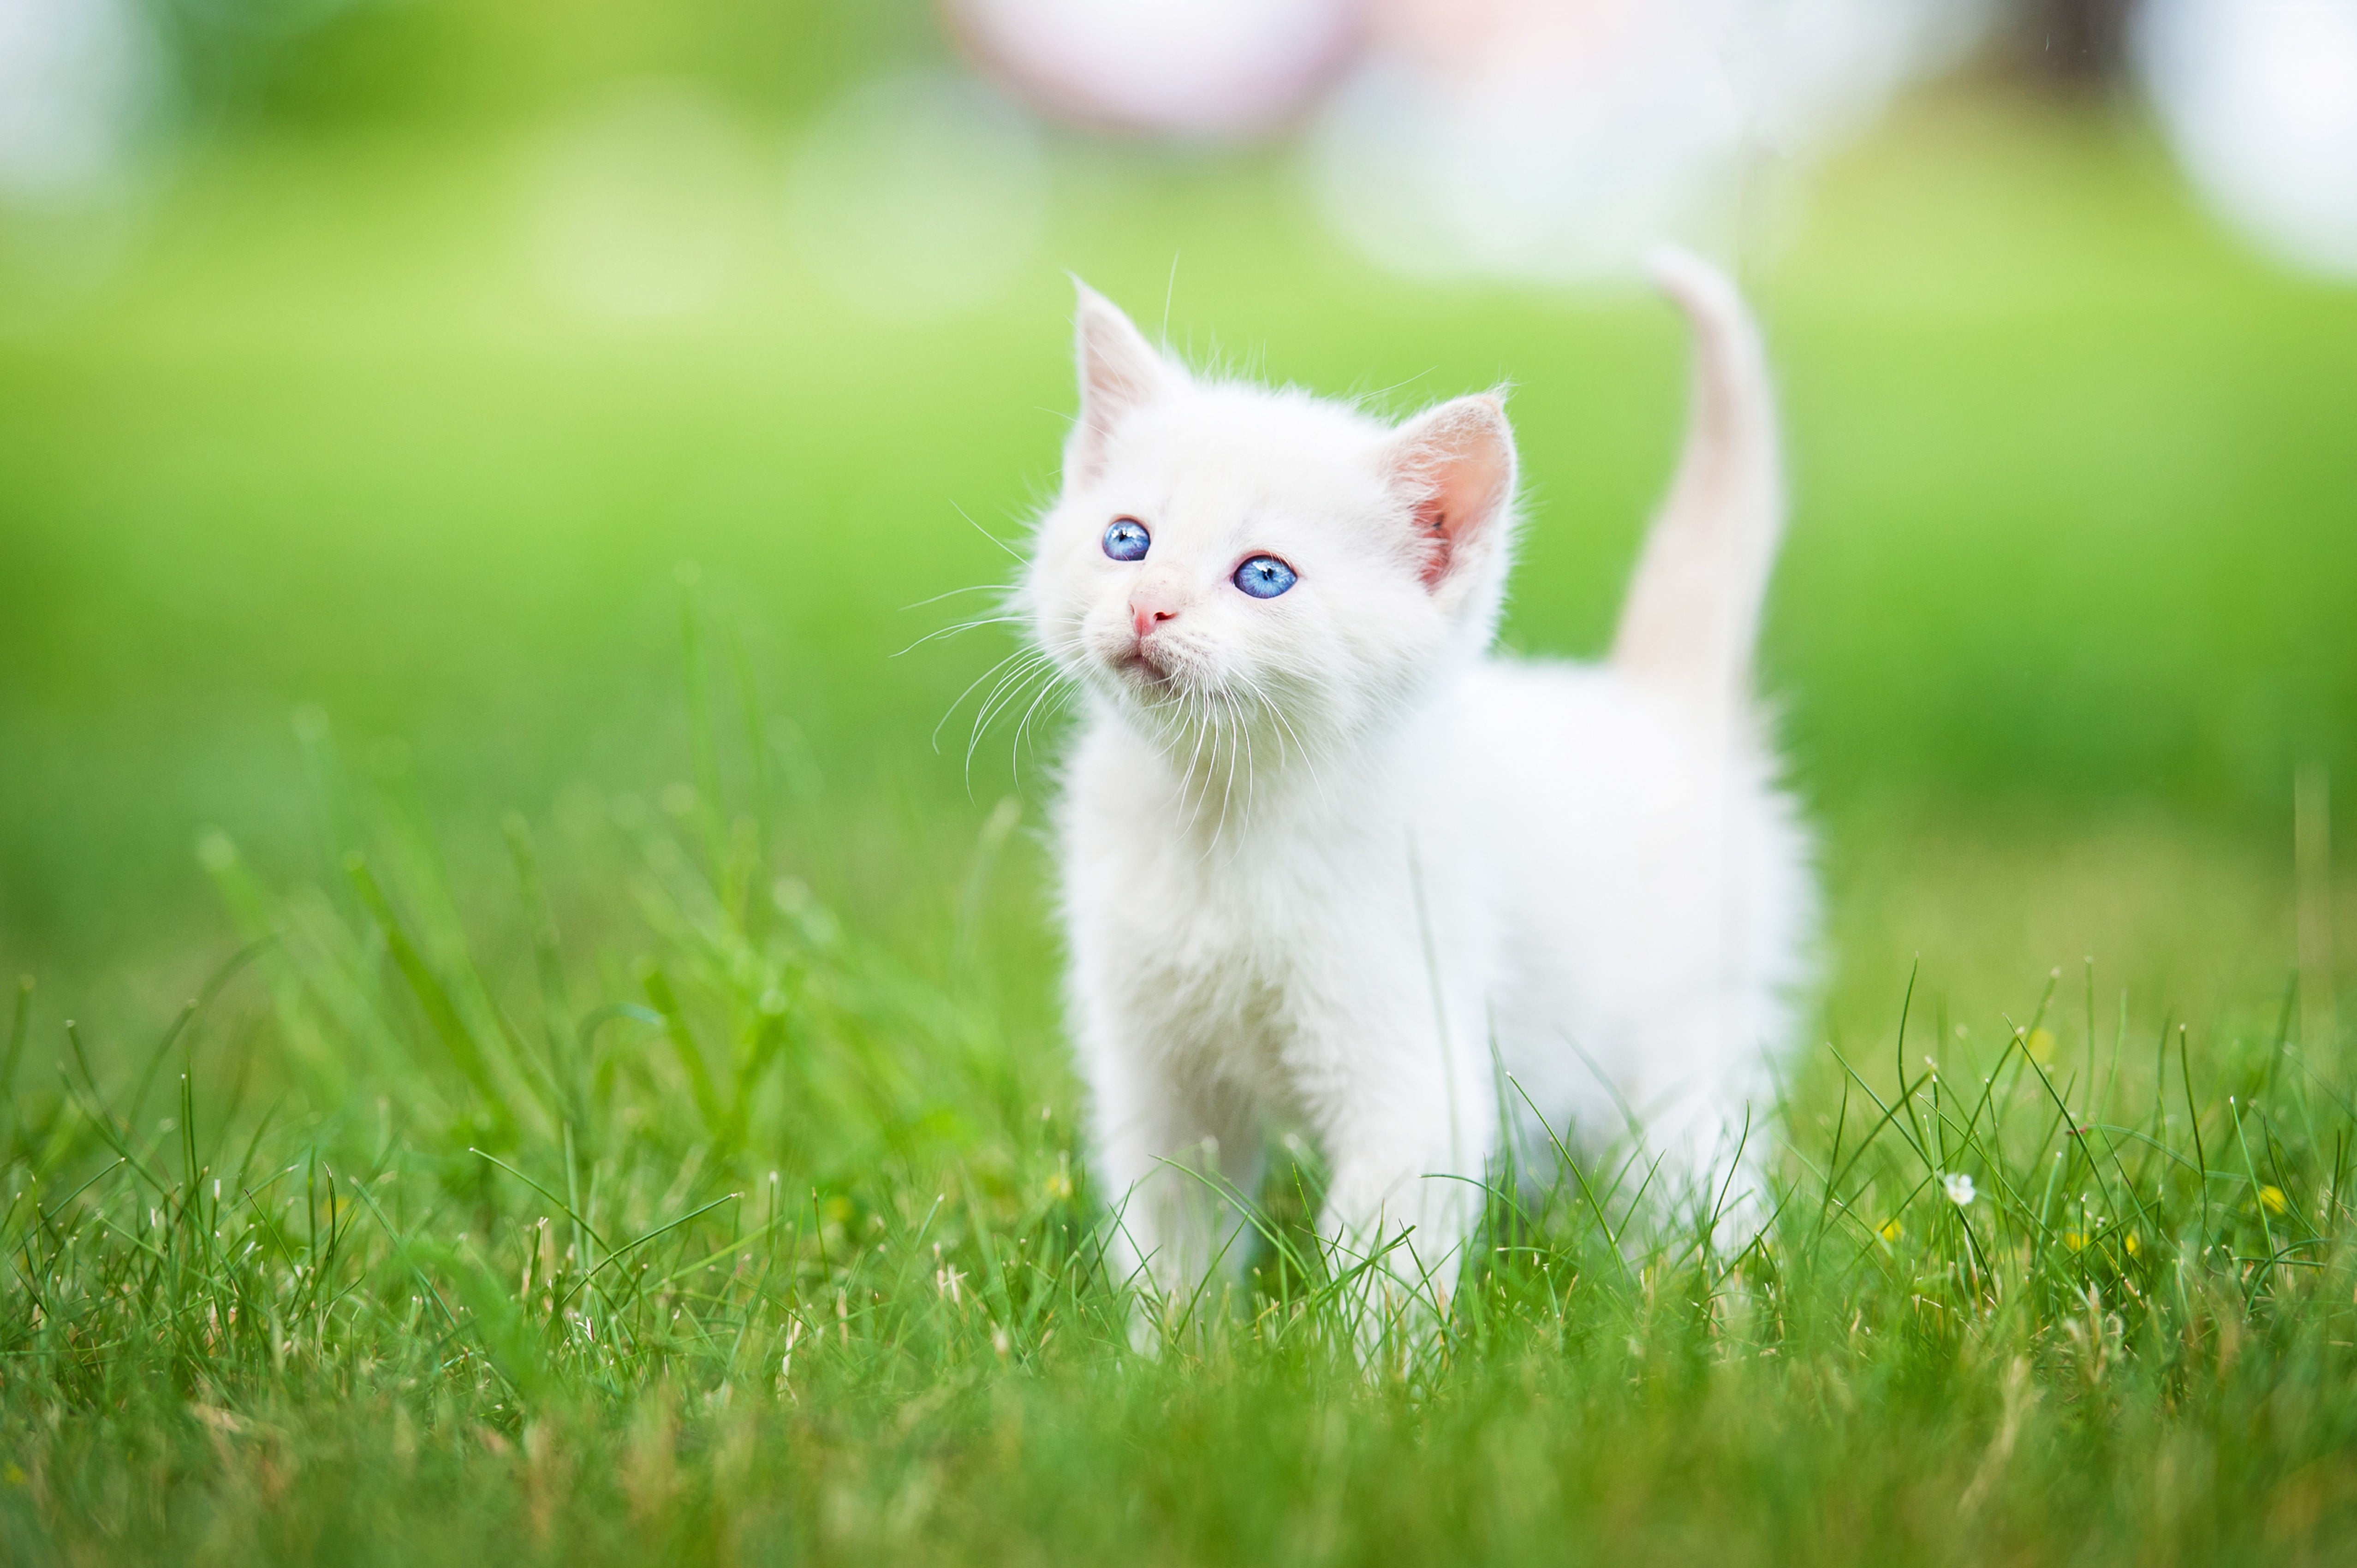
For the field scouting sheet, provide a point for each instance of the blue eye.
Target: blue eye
(1127, 540)
(1264, 576)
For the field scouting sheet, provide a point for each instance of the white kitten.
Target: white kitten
(1330, 862)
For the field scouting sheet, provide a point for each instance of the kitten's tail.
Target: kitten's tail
(1693, 608)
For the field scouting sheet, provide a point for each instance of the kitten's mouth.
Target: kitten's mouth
(1154, 669)
(1141, 663)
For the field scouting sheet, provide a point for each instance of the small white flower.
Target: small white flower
(1959, 1188)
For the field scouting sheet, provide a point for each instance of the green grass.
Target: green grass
(763, 1246)
(589, 1019)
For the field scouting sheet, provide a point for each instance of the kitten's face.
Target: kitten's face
(1230, 560)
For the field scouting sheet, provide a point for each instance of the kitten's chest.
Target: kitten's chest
(1236, 961)
(1248, 950)
(1232, 974)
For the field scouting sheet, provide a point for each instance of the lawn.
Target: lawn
(619, 1113)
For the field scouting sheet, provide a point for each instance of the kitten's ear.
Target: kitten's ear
(1456, 466)
(1120, 372)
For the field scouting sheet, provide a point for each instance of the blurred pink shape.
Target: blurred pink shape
(1466, 39)
(1555, 139)
(1177, 67)
(1537, 139)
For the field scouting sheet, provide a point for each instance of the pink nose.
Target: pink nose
(1150, 608)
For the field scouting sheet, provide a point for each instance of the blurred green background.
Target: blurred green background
(308, 425)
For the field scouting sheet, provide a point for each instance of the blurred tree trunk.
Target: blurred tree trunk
(2078, 43)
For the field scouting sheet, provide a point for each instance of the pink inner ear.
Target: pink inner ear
(1460, 460)
(1120, 372)
(1440, 522)
(1110, 394)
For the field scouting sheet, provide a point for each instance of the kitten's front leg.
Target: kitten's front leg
(1167, 1150)
(1406, 1154)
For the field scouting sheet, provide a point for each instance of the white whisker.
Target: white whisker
(961, 625)
(1012, 681)
(1020, 677)
(1011, 550)
(1053, 684)
(961, 696)
(954, 593)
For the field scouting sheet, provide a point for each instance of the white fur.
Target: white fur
(1329, 863)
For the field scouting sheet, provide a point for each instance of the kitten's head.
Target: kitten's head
(1226, 555)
